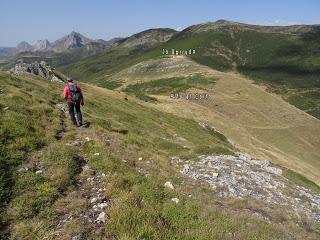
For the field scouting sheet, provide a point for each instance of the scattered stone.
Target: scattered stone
(5, 108)
(241, 177)
(101, 218)
(77, 237)
(176, 160)
(56, 79)
(90, 188)
(102, 205)
(261, 163)
(274, 170)
(39, 172)
(175, 200)
(62, 107)
(140, 158)
(103, 174)
(85, 167)
(169, 185)
(215, 175)
(243, 156)
(186, 169)
(23, 170)
(96, 154)
(75, 143)
(124, 160)
(87, 139)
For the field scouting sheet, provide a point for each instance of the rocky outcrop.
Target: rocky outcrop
(41, 69)
(72, 40)
(149, 38)
(241, 177)
(42, 45)
(24, 46)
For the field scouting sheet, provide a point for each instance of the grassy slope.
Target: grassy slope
(99, 67)
(35, 201)
(288, 63)
(259, 122)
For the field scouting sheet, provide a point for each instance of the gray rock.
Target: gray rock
(169, 185)
(215, 175)
(149, 38)
(101, 218)
(75, 143)
(39, 172)
(102, 205)
(274, 170)
(77, 237)
(241, 177)
(56, 79)
(186, 169)
(42, 45)
(261, 163)
(175, 200)
(41, 69)
(23, 170)
(243, 156)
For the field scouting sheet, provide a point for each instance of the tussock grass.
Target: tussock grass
(301, 180)
(141, 206)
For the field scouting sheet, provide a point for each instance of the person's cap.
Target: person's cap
(69, 79)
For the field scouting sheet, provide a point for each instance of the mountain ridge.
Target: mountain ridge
(72, 40)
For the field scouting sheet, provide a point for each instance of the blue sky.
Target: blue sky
(39, 19)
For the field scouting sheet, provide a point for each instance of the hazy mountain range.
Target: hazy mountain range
(71, 41)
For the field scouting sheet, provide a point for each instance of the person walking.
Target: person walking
(74, 97)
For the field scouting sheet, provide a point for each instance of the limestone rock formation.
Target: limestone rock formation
(41, 69)
(241, 177)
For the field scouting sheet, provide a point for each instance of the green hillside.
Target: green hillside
(288, 63)
(286, 59)
(42, 158)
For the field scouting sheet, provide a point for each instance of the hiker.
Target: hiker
(73, 95)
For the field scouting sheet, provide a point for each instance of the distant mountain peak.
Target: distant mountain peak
(150, 37)
(42, 45)
(24, 46)
(72, 40)
(222, 21)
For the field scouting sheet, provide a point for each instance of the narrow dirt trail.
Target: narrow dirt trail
(87, 191)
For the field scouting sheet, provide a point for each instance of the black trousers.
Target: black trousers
(76, 106)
